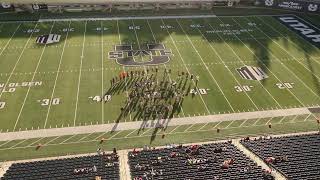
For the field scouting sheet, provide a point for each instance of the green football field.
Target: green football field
(58, 85)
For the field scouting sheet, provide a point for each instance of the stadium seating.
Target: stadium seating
(208, 161)
(296, 157)
(87, 167)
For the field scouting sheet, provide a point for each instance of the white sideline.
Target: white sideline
(7, 136)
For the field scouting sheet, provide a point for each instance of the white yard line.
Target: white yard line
(281, 120)
(19, 56)
(56, 79)
(245, 64)
(189, 128)
(203, 126)
(98, 137)
(206, 67)
(18, 144)
(84, 137)
(243, 122)
(114, 135)
(146, 131)
(155, 40)
(52, 140)
(229, 125)
(255, 123)
(32, 144)
(175, 45)
(135, 32)
(34, 75)
(4, 143)
(174, 129)
(267, 123)
(131, 132)
(80, 68)
(307, 117)
(266, 66)
(288, 69)
(293, 119)
(102, 78)
(6, 45)
(124, 69)
(217, 125)
(67, 139)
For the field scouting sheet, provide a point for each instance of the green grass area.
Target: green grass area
(78, 68)
(88, 143)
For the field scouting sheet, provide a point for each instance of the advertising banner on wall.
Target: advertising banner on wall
(296, 5)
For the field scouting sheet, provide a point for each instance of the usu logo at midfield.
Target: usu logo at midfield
(303, 28)
(48, 39)
(252, 73)
(154, 54)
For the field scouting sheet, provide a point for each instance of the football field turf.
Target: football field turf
(48, 86)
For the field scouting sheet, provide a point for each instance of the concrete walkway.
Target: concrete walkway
(8, 136)
(256, 159)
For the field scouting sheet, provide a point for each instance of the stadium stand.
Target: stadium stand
(87, 167)
(207, 161)
(296, 157)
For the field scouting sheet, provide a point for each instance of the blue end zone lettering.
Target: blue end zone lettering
(303, 28)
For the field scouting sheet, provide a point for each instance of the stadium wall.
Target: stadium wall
(122, 5)
(296, 5)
